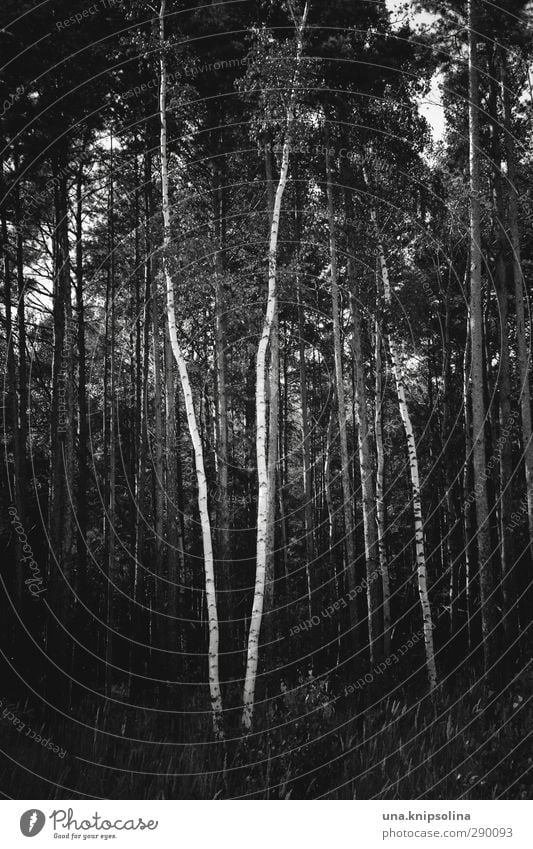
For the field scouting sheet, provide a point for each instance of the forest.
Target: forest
(267, 483)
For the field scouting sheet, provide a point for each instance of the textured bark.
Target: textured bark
(83, 428)
(366, 459)
(504, 367)
(261, 425)
(157, 450)
(175, 553)
(22, 430)
(110, 433)
(341, 407)
(223, 512)
(468, 486)
(61, 421)
(306, 453)
(12, 405)
(140, 489)
(519, 289)
(210, 588)
(381, 513)
(421, 567)
(368, 490)
(274, 425)
(479, 413)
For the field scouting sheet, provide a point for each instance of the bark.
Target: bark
(366, 460)
(306, 452)
(307, 472)
(83, 428)
(223, 512)
(22, 431)
(504, 367)
(110, 432)
(381, 513)
(369, 502)
(468, 485)
(12, 405)
(421, 566)
(175, 551)
(485, 566)
(519, 289)
(210, 588)
(61, 422)
(341, 408)
(140, 489)
(273, 431)
(261, 425)
(157, 451)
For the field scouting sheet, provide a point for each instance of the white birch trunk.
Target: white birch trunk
(415, 476)
(380, 497)
(341, 409)
(210, 590)
(261, 424)
(519, 289)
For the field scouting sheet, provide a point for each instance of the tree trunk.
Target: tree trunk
(175, 551)
(381, 513)
(504, 367)
(83, 428)
(261, 426)
(61, 423)
(414, 473)
(12, 404)
(368, 490)
(210, 588)
(223, 511)
(341, 409)
(486, 571)
(519, 288)
(366, 460)
(110, 435)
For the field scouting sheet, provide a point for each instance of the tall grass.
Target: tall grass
(468, 743)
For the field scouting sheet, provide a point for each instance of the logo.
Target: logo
(32, 822)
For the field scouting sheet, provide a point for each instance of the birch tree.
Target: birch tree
(486, 576)
(261, 412)
(210, 588)
(399, 379)
(341, 403)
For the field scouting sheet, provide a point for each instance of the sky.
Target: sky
(431, 105)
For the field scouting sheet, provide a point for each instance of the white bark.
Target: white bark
(486, 572)
(519, 289)
(341, 409)
(261, 424)
(380, 497)
(415, 475)
(210, 590)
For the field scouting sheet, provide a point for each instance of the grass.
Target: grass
(469, 743)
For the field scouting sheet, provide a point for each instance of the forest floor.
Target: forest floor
(469, 743)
